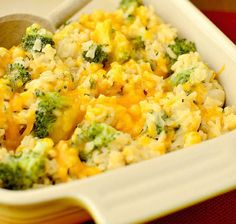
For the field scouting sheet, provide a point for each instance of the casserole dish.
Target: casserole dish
(153, 188)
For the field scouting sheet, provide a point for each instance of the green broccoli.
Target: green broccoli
(126, 4)
(159, 129)
(138, 43)
(92, 83)
(181, 46)
(95, 136)
(22, 170)
(100, 56)
(130, 18)
(18, 75)
(45, 116)
(36, 39)
(182, 77)
(124, 56)
(159, 120)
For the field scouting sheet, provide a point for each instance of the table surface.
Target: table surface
(219, 5)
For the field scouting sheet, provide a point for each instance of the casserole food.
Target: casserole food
(42, 95)
(108, 90)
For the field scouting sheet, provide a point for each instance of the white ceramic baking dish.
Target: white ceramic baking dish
(153, 188)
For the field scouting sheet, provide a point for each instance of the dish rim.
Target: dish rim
(35, 196)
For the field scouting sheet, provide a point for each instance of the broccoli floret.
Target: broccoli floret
(138, 43)
(45, 116)
(181, 46)
(36, 38)
(160, 122)
(99, 55)
(159, 129)
(157, 120)
(18, 75)
(92, 83)
(22, 170)
(93, 137)
(126, 4)
(123, 56)
(130, 18)
(181, 78)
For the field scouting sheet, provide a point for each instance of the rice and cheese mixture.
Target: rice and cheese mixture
(108, 90)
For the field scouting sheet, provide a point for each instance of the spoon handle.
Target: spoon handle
(65, 10)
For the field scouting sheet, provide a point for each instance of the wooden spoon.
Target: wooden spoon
(12, 27)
